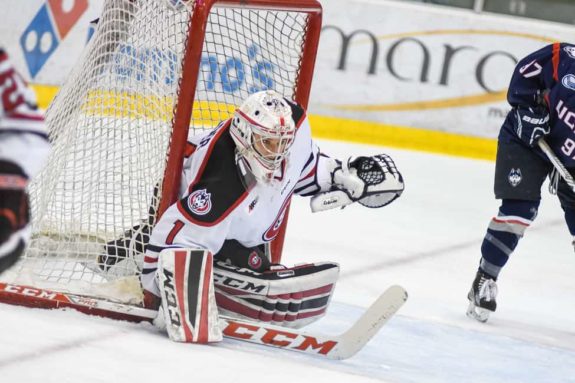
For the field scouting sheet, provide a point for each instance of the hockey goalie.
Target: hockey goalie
(207, 252)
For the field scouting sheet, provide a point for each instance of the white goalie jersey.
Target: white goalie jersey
(219, 201)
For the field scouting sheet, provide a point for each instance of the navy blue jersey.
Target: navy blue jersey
(547, 77)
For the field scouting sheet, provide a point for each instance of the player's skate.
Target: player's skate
(482, 297)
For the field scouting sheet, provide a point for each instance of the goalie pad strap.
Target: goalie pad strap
(291, 297)
(279, 308)
(188, 302)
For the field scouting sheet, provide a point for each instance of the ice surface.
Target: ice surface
(427, 241)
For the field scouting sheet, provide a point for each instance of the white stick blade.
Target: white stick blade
(370, 322)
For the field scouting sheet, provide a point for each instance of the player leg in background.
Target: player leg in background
(519, 174)
(130, 246)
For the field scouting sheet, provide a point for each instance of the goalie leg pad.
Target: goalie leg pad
(185, 280)
(289, 297)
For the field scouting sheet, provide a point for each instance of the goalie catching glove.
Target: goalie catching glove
(372, 181)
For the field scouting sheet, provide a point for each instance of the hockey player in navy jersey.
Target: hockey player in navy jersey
(542, 97)
(23, 148)
(237, 181)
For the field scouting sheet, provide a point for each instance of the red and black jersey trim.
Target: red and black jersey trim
(297, 112)
(307, 184)
(218, 176)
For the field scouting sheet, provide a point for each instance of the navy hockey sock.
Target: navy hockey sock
(504, 232)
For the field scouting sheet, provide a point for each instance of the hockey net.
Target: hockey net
(152, 73)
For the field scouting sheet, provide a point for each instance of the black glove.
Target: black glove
(530, 124)
(14, 209)
(252, 258)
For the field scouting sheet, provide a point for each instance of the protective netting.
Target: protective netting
(111, 129)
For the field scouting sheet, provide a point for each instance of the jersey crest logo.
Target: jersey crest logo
(568, 81)
(514, 177)
(254, 260)
(200, 202)
(570, 50)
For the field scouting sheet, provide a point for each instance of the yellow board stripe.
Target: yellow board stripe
(486, 32)
(455, 102)
(44, 94)
(370, 133)
(403, 137)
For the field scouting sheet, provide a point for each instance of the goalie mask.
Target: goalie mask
(263, 131)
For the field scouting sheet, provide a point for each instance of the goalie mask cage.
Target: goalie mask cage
(154, 71)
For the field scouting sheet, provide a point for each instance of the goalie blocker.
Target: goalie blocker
(191, 284)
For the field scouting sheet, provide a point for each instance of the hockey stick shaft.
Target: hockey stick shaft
(337, 347)
(561, 169)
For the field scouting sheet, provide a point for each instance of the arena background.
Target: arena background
(395, 73)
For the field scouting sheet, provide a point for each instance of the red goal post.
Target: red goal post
(301, 92)
(150, 75)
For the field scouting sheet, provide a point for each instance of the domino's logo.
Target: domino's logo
(47, 29)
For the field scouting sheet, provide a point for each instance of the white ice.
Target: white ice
(428, 241)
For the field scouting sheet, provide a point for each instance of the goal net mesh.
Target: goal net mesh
(111, 127)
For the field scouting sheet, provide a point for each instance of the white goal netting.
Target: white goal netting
(112, 127)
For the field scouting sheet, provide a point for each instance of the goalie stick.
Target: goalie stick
(337, 347)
